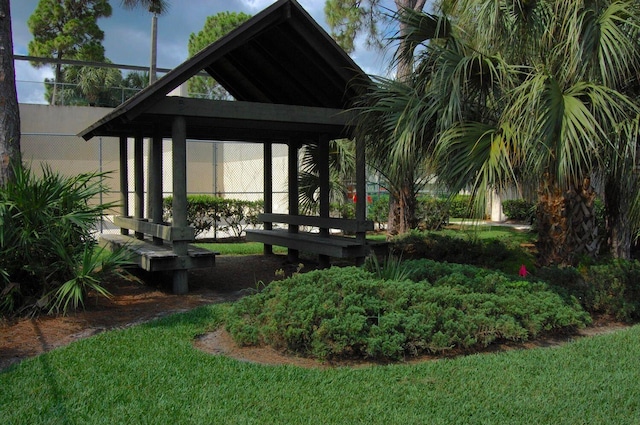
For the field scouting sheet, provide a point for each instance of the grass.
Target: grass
(151, 374)
(244, 248)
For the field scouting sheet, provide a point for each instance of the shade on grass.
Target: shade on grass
(152, 374)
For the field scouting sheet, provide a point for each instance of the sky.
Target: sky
(128, 34)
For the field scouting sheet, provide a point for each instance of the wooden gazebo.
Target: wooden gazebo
(292, 84)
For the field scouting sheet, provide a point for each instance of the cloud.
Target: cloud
(30, 82)
(256, 5)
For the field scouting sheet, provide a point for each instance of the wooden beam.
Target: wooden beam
(138, 180)
(292, 177)
(179, 138)
(251, 111)
(345, 224)
(155, 230)
(155, 182)
(124, 179)
(361, 191)
(268, 188)
(323, 174)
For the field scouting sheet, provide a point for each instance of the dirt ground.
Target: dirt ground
(232, 277)
(134, 302)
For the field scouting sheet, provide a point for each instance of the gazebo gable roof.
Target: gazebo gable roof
(280, 56)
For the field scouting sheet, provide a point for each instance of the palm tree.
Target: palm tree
(342, 165)
(155, 7)
(534, 91)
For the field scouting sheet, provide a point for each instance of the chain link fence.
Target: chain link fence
(224, 169)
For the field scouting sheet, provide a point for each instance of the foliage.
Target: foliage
(349, 312)
(378, 211)
(509, 93)
(67, 29)
(519, 209)
(345, 209)
(86, 86)
(215, 27)
(432, 213)
(342, 163)
(48, 256)
(206, 213)
(461, 206)
(347, 19)
(611, 288)
(492, 253)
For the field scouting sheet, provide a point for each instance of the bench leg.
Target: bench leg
(180, 282)
(292, 255)
(324, 261)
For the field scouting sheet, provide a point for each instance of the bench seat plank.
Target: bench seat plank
(152, 257)
(346, 224)
(333, 246)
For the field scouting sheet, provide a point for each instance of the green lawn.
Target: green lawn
(244, 248)
(151, 374)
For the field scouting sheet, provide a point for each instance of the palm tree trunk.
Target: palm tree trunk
(567, 227)
(402, 211)
(618, 206)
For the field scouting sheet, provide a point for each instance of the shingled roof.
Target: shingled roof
(288, 76)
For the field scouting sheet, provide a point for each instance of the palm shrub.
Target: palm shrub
(48, 255)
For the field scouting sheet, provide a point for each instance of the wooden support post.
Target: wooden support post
(179, 138)
(292, 254)
(155, 183)
(124, 180)
(323, 174)
(268, 189)
(138, 181)
(361, 193)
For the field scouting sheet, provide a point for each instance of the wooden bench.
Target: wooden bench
(321, 242)
(160, 247)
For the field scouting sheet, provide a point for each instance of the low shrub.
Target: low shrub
(351, 313)
(432, 213)
(519, 209)
(378, 211)
(435, 246)
(207, 212)
(461, 206)
(612, 288)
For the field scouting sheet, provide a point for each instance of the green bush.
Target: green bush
(432, 213)
(206, 213)
(48, 255)
(435, 246)
(519, 209)
(611, 289)
(351, 313)
(460, 206)
(378, 211)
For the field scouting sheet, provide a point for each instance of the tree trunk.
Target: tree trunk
(566, 224)
(402, 211)
(9, 112)
(617, 206)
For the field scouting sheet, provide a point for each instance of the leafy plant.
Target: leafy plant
(206, 213)
(391, 269)
(47, 226)
(519, 209)
(432, 213)
(378, 211)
